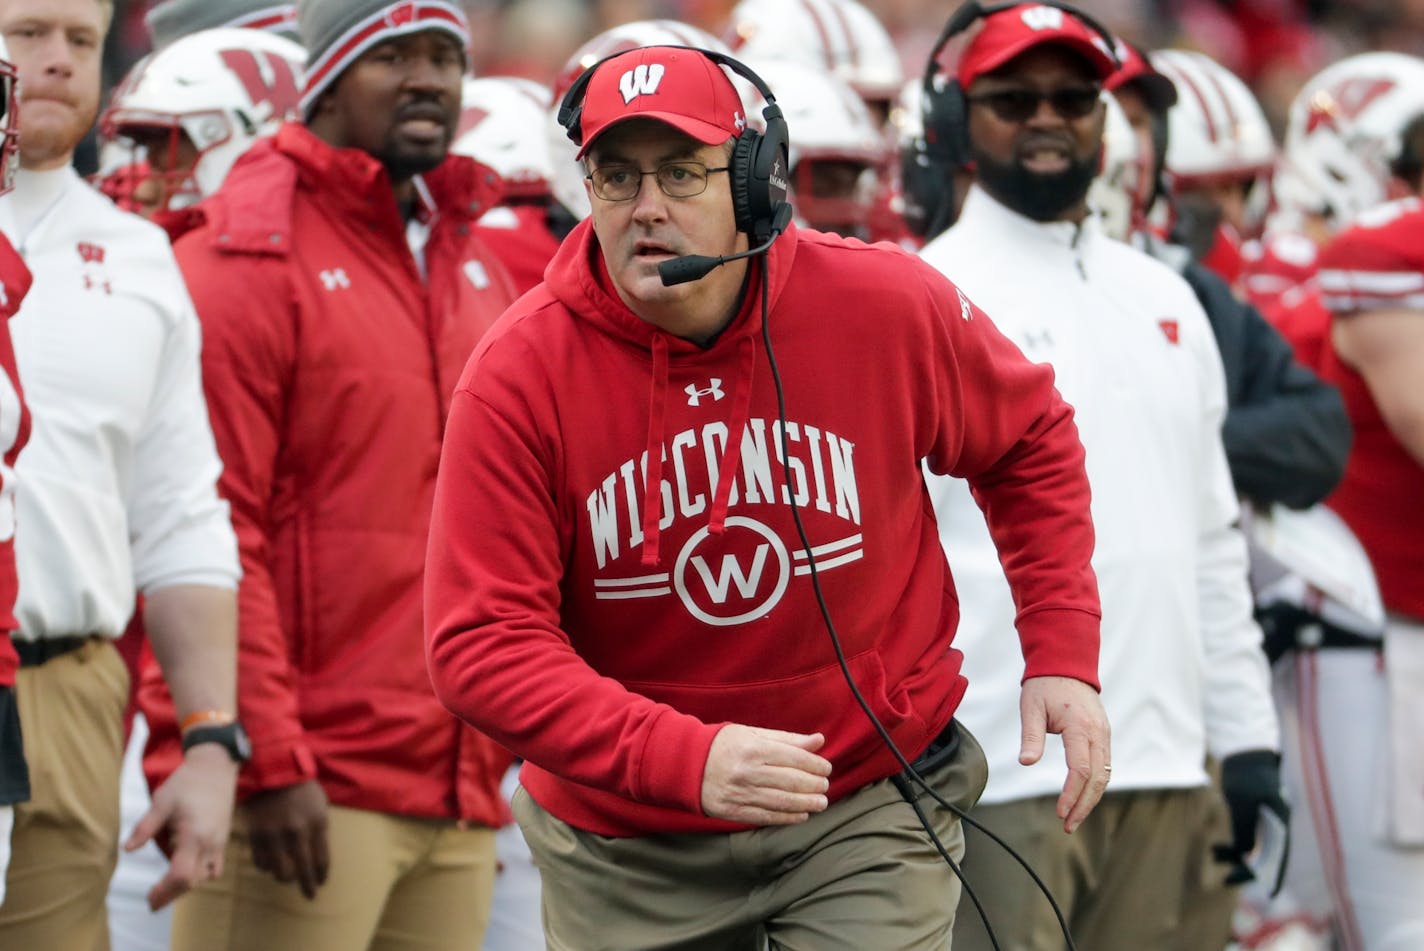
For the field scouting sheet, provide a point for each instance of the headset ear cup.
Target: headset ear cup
(743, 175)
(768, 175)
(953, 124)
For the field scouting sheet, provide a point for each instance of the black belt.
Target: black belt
(35, 653)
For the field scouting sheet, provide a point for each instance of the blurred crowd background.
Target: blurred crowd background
(1275, 45)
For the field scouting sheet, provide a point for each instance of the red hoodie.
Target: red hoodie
(607, 641)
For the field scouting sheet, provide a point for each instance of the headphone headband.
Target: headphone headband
(571, 106)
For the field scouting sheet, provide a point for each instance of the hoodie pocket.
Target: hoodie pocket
(819, 701)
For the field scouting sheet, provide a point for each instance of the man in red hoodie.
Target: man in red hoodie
(341, 291)
(636, 553)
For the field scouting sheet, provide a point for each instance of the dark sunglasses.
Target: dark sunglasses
(1020, 105)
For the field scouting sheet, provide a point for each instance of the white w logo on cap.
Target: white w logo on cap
(1043, 18)
(641, 80)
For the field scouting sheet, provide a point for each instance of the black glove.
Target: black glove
(1250, 781)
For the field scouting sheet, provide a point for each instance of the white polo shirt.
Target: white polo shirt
(118, 484)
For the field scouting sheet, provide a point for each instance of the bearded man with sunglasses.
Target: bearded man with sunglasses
(1183, 672)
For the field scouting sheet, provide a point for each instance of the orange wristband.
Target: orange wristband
(204, 716)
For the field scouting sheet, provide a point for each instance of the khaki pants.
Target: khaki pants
(396, 884)
(860, 876)
(1119, 879)
(65, 840)
(1208, 903)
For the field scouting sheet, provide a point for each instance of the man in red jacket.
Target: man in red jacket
(341, 292)
(15, 280)
(636, 553)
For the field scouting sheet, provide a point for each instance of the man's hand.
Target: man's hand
(764, 777)
(287, 828)
(194, 810)
(1071, 708)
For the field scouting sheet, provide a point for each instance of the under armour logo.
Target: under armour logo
(335, 279)
(1037, 340)
(1043, 18)
(641, 80)
(694, 395)
(739, 121)
(91, 253)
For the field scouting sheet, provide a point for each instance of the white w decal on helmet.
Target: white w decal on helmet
(641, 80)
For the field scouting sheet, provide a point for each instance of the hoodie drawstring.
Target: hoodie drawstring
(653, 471)
(732, 453)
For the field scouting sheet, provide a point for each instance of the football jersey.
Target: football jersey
(1379, 265)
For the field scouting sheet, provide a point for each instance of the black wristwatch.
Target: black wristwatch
(230, 736)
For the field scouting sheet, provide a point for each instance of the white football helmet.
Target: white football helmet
(220, 90)
(1217, 131)
(568, 172)
(1343, 135)
(502, 125)
(1117, 194)
(836, 149)
(839, 36)
(9, 120)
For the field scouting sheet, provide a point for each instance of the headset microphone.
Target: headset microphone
(694, 267)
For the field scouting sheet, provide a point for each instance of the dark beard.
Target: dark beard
(404, 164)
(1034, 195)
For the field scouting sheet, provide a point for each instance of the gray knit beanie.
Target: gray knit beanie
(337, 32)
(174, 19)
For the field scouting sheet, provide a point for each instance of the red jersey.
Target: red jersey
(1276, 265)
(14, 432)
(1379, 265)
(519, 235)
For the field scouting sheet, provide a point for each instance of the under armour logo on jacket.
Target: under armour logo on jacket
(335, 279)
(1043, 18)
(694, 395)
(641, 80)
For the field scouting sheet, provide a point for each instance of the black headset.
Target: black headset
(943, 147)
(759, 165)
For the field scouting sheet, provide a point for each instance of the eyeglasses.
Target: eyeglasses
(1020, 105)
(676, 179)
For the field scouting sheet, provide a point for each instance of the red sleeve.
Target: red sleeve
(248, 353)
(1002, 426)
(1377, 264)
(493, 490)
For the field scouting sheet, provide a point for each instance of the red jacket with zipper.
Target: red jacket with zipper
(329, 367)
(605, 632)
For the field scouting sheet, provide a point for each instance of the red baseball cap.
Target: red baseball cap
(1157, 90)
(1019, 29)
(680, 87)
